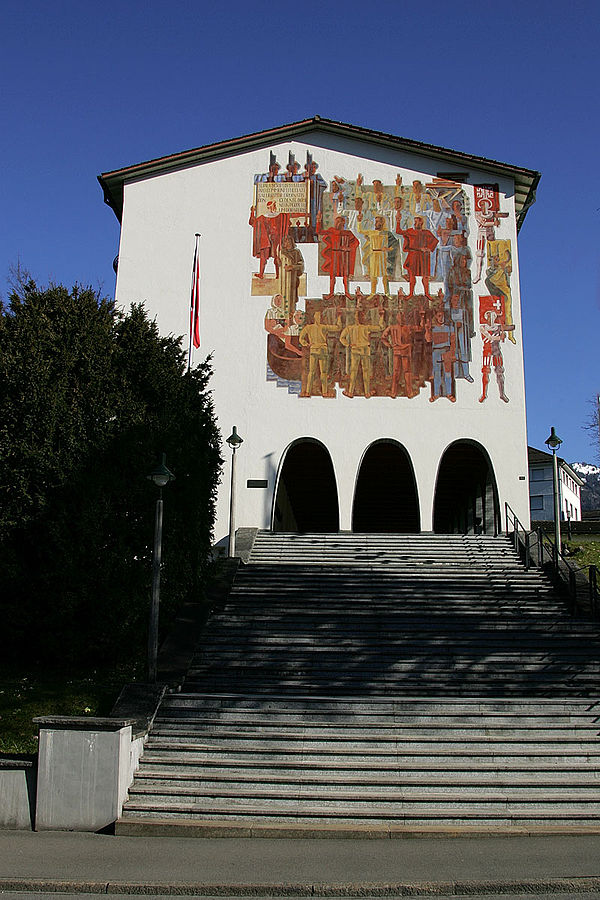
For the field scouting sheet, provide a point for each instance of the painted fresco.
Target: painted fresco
(499, 253)
(494, 331)
(397, 317)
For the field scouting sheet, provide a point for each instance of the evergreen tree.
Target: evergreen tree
(89, 397)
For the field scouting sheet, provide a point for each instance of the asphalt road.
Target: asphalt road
(91, 863)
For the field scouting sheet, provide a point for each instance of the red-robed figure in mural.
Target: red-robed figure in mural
(418, 244)
(339, 252)
(268, 233)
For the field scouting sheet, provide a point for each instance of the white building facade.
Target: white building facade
(359, 296)
(541, 488)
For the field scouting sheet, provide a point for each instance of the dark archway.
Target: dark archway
(385, 498)
(466, 496)
(307, 497)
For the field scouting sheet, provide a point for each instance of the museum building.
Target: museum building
(358, 294)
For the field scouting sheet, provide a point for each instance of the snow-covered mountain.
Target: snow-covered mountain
(590, 492)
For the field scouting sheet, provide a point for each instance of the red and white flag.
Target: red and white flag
(195, 301)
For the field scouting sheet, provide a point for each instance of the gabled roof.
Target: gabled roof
(526, 180)
(539, 457)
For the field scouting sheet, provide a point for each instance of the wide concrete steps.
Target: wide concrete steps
(381, 549)
(349, 764)
(353, 684)
(365, 614)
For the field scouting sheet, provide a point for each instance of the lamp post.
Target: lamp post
(553, 443)
(161, 476)
(234, 441)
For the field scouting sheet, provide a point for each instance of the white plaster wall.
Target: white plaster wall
(569, 496)
(161, 215)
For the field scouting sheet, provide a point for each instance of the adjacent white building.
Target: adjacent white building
(359, 296)
(541, 488)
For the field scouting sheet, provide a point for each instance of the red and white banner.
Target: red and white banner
(195, 303)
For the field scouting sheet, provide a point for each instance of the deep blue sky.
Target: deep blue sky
(88, 87)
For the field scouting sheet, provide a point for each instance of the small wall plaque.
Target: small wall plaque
(257, 483)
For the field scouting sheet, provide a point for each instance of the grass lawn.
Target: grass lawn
(585, 549)
(24, 694)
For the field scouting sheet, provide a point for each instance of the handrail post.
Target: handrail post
(541, 547)
(527, 551)
(593, 582)
(573, 591)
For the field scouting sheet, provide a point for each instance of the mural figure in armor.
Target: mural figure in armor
(493, 333)
(292, 170)
(317, 187)
(487, 216)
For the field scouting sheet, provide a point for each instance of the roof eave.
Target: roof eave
(112, 182)
(576, 478)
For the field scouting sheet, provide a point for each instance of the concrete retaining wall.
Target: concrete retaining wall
(17, 793)
(86, 764)
(84, 771)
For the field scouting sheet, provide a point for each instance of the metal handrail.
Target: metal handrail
(532, 544)
(522, 545)
(562, 570)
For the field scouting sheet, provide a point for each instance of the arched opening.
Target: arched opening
(306, 498)
(385, 498)
(466, 496)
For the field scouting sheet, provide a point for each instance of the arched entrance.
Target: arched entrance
(307, 497)
(385, 498)
(466, 496)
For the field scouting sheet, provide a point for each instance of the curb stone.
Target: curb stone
(581, 885)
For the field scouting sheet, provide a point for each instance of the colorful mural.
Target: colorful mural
(398, 315)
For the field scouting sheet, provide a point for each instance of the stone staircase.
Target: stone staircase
(380, 685)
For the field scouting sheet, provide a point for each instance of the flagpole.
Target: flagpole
(193, 298)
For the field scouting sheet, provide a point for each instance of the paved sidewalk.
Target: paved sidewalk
(92, 863)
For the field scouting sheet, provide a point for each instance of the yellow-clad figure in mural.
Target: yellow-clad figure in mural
(314, 337)
(380, 252)
(358, 338)
(498, 277)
